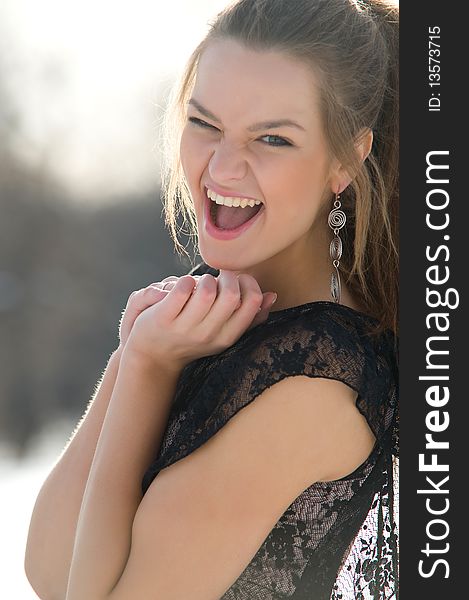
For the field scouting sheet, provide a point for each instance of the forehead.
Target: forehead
(238, 82)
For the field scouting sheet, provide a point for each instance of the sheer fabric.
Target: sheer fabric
(338, 539)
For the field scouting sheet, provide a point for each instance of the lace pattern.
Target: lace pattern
(338, 539)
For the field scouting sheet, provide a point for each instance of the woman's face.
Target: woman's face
(253, 132)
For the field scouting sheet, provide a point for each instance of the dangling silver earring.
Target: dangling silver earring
(337, 219)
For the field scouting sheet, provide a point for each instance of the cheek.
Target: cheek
(193, 153)
(298, 188)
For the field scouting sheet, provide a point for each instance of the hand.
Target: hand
(138, 301)
(142, 299)
(197, 318)
(267, 302)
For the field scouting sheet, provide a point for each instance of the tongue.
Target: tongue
(230, 217)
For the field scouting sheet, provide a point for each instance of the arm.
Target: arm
(130, 436)
(187, 324)
(53, 522)
(204, 517)
(55, 515)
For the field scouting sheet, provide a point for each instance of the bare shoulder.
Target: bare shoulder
(204, 517)
(314, 429)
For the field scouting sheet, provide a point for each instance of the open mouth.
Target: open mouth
(228, 214)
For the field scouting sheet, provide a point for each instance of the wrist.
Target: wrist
(117, 354)
(146, 365)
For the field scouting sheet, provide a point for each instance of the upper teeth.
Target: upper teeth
(231, 201)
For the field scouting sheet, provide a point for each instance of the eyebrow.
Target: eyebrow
(272, 124)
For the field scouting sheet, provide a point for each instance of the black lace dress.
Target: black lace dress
(338, 539)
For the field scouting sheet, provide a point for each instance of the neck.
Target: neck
(298, 276)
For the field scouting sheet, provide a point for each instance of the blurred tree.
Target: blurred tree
(65, 275)
(66, 272)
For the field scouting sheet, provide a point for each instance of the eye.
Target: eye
(200, 123)
(275, 140)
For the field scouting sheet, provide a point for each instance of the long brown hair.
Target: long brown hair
(355, 46)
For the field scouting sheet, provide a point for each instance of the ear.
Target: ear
(340, 177)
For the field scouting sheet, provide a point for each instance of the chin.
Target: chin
(214, 260)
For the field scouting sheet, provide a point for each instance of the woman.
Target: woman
(287, 167)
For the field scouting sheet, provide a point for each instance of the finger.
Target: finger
(251, 301)
(263, 313)
(269, 300)
(177, 297)
(137, 302)
(148, 296)
(168, 283)
(202, 300)
(175, 278)
(165, 284)
(252, 297)
(227, 301)
(161, 289)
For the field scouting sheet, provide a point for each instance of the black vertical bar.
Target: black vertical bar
(433, 357)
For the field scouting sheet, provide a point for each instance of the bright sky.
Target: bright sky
(87, 77)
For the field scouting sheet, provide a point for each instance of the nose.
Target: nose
(227, 163)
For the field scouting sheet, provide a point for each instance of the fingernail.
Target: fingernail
(274, 299)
